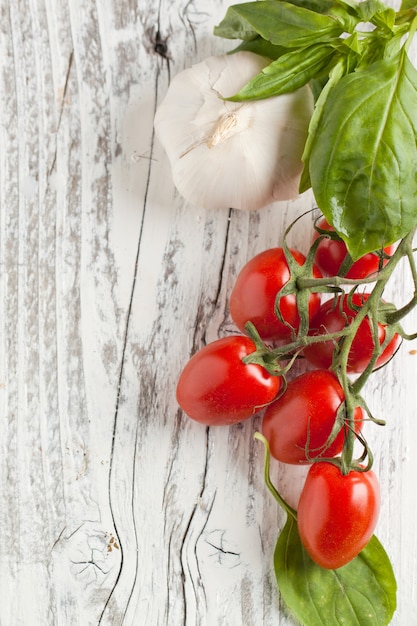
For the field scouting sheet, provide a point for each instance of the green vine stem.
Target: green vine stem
(278, 360)
(267, 477)
(397, 316)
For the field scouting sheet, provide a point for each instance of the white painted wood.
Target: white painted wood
(114, 507)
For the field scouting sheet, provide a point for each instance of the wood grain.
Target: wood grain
(114, 507)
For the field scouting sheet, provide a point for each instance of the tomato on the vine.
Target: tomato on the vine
(331, 253)
(217, 388)
(333, 316)
(254, 293)
(337, 513)
(298, 424)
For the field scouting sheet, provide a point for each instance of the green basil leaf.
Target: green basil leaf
(361, 592)
(363, 159)
(279, 22)
(369, 9)
(289, 72)
(318, 6)
(345, 14)
(354, 42)
(408, 4)
(317, 85)
(258, 45)
(335, 75)
(374, 11)
(234, 26)
(353, 4)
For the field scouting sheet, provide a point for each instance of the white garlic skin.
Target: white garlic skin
(227, 154)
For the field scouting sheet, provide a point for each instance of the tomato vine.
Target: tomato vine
(317, 417)
(354, 57)
(302, 284)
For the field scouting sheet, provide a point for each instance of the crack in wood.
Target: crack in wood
(224, 556)
(61, 110)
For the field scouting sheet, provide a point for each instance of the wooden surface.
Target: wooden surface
(114, 507)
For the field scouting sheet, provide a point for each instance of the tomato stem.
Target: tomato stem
(396, 316)
(301, 284)
(267, 477)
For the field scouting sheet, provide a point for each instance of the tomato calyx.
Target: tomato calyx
(294, 285)
(374, 341)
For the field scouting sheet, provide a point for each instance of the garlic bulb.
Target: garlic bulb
(228, 154)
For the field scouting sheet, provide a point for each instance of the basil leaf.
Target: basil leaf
(363, 159)
(288, 73)
(408, 4)
(377, 12)
(368, 9)
(279, 22)
(233, 26)
(361, 592)
(335, 75)
(318, 6)
(345, 14)
(353, 4)
(262, 47)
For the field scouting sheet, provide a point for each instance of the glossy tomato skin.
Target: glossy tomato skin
(255, 290)
(333, 316)
(216, 388)
(330, 254)
(337, 514)
(305, 413)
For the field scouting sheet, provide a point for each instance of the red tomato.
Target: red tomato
(331, 253)
(337, 514)
(304, 416)
(254, 294)
(216, 387)
(333, 317)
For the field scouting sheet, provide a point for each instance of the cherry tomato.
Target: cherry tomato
(337, 513)
(304, 416)
(334, 316)
(254, 293)
(331, 253)
(216, 387)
